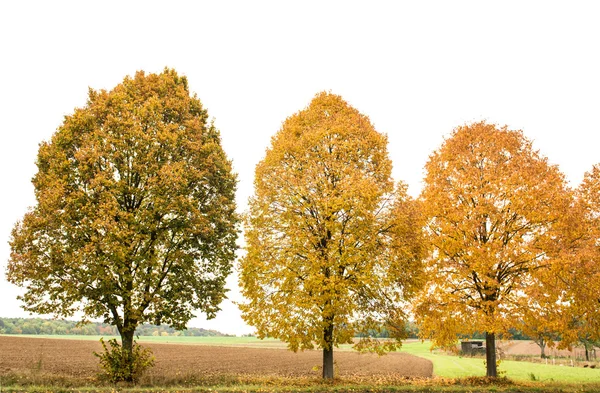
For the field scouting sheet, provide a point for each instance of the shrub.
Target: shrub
(120, 366)
(533, 377)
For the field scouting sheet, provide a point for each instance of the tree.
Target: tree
(333, 249)
(585, 287)
(135, 217)
(575, 273)
(489, 200)
(540, 325)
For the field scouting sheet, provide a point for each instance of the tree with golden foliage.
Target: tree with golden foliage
(541, 321)
(586, 292)
(489, 199)
(333, 248)
(575, 273)
(135, 216)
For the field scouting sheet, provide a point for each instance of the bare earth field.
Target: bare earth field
(74, 358)
(523, 347)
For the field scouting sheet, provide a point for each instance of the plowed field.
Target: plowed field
(526, 347)
(74, 358)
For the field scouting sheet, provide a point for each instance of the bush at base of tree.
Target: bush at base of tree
(119, 365)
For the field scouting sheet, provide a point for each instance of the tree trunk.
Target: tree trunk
(490, 355)
(328, 363)
(328, 350)
(542, 344)
(127, 345)
(127, 341)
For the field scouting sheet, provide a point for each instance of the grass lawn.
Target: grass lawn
(448, 366)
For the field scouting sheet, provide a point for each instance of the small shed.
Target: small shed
(472, 347)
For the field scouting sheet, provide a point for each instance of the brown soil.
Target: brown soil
(74, 358)
(526, 347)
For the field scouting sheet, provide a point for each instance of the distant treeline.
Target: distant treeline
(410, 328)
(64, 327)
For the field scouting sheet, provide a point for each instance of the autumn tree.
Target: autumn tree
(489, 200)
(333, 247)
(541, 322)
(584, 288)
(135, 217)
(575, 273)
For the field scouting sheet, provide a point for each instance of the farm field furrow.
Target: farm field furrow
(75, 358)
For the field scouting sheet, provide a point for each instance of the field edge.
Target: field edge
(435, 385)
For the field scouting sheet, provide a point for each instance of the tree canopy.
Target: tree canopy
(333, 247)
(575, 273)
(135, 216)
(585, 286)
(489, 200)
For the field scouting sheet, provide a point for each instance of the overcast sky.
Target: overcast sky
(417, 69)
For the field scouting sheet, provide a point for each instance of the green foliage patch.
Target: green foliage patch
(119, 365)
(62, 327)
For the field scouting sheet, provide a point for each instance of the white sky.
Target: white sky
(417, 69)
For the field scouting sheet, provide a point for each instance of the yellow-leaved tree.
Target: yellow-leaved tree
(541, 322)
(586, 291)
(489, 200)
(575, 273)
(334, 249)
(135, 213)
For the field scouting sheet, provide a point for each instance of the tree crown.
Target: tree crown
(135, 217)
(330, 243)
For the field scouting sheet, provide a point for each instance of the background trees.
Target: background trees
(135, 209)
(62, 327)
(489, 199)
(333, 249)
(540, 323)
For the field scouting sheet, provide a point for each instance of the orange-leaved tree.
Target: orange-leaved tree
(586, 291)
(575, 273)
(489, 199)
(541, 321)
(334, 249)
(135, 216)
